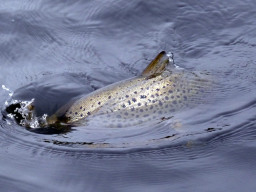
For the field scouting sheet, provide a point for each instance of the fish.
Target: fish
(161, 90)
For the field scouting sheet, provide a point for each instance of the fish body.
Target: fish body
(156, 94)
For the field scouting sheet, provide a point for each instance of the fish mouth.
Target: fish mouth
(52, 120)
(56, 122)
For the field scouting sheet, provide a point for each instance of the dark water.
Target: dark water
(55, 50)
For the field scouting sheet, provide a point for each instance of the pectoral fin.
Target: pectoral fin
(157, 66)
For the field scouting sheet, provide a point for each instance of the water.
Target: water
(55, 50)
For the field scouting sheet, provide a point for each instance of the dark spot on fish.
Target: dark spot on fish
(129, 102)
(154, 81)
(166, 98)
(184, 91)
(70, 112)
(178, 90)
(143, 96)
(141, 110)
(157, 89)
(174, 85)
(153, 101)
(90, 99)
(123, 106)
(126, 96)
(137, 116)
(88, 113)
(81, 115)
(99, 103)
(157, 94)
(174, 102)
(147, 88)
(118, 116)
(163, 87)
(134, 100)
(139, 104)
(152, 96)
(160, 103)
(185, 98)
(132, 109)
(126, 113)
(166, 106)
(81, 107)
(178, 96)
(119, 125)
(119, 98)
(109, 97)
(160, 112)
(135, 92)
(170, 91)
(84, 109)
(146, 115)
(151, 107)
(141, 88)
(172, 97)
(75, 113)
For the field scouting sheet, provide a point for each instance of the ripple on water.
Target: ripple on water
(186, 126)
(97, 43)
(153, 134)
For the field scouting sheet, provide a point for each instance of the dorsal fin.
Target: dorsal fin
(157, 66)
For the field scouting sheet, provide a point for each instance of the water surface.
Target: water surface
(54, 51)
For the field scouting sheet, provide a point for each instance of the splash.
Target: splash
(10, 93)
(22, 111)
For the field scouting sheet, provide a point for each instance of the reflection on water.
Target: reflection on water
(54, 51)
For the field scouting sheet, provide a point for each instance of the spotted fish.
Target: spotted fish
(158, 92)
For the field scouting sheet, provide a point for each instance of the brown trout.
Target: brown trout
(156, 94)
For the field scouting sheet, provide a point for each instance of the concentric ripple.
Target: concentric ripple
(182, 127)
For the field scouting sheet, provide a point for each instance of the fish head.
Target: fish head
(60, 118)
